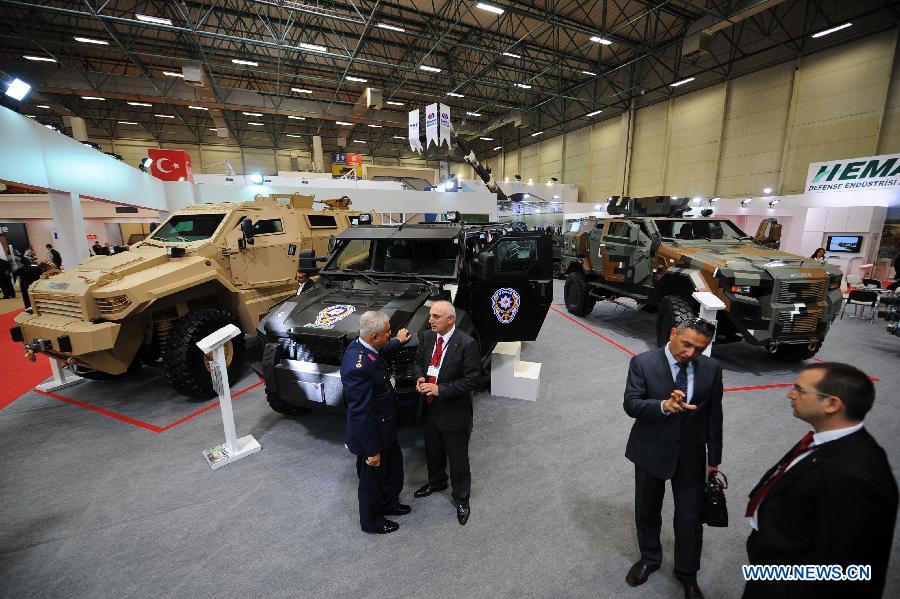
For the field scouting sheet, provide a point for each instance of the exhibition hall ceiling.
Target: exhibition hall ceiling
(274, 73)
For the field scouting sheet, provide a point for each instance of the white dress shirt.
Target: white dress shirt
(446, 337)
(818, 439)
(673, 366)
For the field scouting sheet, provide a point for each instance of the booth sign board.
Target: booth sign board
(342, 162)
(871, 172)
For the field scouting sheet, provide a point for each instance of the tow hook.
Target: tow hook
(38, 345)
(29, 352)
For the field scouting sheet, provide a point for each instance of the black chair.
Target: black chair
(861, 297)
(871, 283)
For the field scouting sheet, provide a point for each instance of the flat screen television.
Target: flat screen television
(844, 243)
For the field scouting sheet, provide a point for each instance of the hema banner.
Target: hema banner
(853, 174)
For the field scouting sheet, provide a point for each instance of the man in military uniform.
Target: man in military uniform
(372, 422)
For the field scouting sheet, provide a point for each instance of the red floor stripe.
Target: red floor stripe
(758, 387)
(601, 335)
(141, 423)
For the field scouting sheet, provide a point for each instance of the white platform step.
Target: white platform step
(510, 376)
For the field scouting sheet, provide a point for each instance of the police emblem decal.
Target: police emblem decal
(505, 303)
(328, 317)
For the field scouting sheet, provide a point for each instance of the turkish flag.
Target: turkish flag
(171, 165)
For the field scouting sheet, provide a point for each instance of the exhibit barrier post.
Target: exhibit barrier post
(709, 305)
(233, 449)
(61, 378)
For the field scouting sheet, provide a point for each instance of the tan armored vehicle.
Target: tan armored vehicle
(208, 265)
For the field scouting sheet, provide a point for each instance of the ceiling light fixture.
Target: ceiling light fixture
(523, 85)
(164, 116)
(394, 103)
(391, 27)
(90, 40)
(42, 106)
(511, 55)
(600, 40)
(313, 47)
(595, 113)
(375, 126)
(536, 134)
(92, 98)
(767, 190)
(473, 113)
(343, 123)
(297, 90)
(832, 30)
(127, 123)
(213, 129)
(293, 135)
(486, 138)
(255, 178)
(682, 82)
(173, 74)
(296, 118)
(490, 8)
(151, 19)
(255, 124)
(495, 149)
(251, 114)
(18, 89)
(248, 63)
(39, 58)
(425, 67)
(357, 79)
(198, 108)
(455, 95)
(591, 73)
(358, 141)
(398, 137)
(138, 104)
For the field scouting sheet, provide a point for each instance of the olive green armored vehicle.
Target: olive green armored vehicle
(208, 265)
(649, 251)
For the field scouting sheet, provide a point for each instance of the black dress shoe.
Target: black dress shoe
(639, 573)
(401, 510)
(462, 514)
(691, 590)
(428, 490)
(388, 526)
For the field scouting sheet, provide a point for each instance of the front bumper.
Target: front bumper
(62, 336)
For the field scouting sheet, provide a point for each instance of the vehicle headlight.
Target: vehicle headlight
(742, 289)
(109, 305)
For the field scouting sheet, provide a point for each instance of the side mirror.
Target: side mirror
(487, 265)
(307, 262)
(247, 230)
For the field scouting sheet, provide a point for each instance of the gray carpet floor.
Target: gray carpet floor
(91, 506)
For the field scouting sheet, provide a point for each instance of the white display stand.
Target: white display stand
(233, 449)
(709, 305)
(511, 377)
(61, 377)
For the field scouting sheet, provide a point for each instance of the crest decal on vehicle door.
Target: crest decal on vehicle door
(505, 303)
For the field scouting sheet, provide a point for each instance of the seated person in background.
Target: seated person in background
(685, 232)
(819, 255)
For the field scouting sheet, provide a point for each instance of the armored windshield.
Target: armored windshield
(706, 230)
(428, 257)
(188, 227)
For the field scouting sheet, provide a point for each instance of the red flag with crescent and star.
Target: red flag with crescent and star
(171, 165)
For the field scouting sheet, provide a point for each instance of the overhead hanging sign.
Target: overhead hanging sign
(853, 174)
(444, 129)
(431, 125)
(415, 144)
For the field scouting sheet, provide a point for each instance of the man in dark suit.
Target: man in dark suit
(675, 396)
(447, 371)
(832, 499)
(372, 422)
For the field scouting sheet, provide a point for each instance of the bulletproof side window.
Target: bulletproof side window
(268, 226)
(618, 229)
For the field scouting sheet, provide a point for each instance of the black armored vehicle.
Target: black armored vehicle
(500, 283)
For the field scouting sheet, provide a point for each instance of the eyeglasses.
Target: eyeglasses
(801, 391)
(701, 325)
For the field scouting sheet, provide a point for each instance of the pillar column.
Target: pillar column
(68, 220)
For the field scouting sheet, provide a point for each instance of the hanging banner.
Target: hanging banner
(444, 129)
(414, 143)
(170, 165)
(431, 125)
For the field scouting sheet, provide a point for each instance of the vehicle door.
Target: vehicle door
(269, 256)
(624, 249)
(512, 287)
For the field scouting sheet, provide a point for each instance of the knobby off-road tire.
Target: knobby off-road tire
(578, 302)
(673, 309)
(183, 361)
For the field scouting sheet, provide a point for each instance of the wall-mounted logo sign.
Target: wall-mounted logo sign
(871, 172)
(328, 317)
(505, 303)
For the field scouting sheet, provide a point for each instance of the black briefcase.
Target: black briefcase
(715, 511)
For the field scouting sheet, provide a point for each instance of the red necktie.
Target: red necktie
(435, 361)
(759, 495)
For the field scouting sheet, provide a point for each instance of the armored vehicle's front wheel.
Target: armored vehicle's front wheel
(673, 309)
(186, 367)
(578, 302)
(282, 407)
